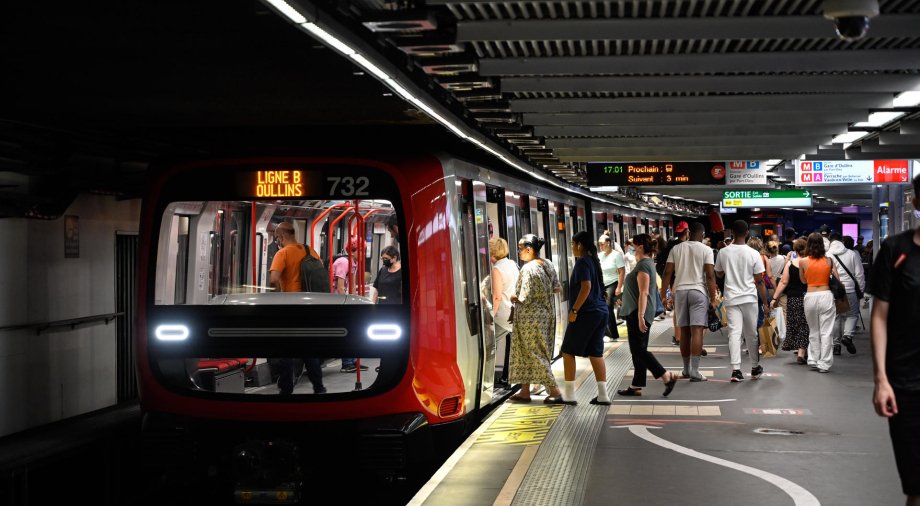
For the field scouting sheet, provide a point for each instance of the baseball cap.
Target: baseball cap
(681, 227)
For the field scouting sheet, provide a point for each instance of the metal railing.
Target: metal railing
(72, 323)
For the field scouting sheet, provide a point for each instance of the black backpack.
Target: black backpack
(314, 277)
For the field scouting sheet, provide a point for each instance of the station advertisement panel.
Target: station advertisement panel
(767, 198)
(833, 172)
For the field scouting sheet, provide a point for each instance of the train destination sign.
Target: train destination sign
(655, 173)
(278, 183)
(816, 173)
(766, 198)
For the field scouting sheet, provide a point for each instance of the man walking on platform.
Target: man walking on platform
(693, 292)
(743, 270)
(895, 283)
(850, 268)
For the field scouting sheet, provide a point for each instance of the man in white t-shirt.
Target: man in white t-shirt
(693, 291)
(743, 268)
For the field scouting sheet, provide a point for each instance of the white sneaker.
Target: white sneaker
(608, 339)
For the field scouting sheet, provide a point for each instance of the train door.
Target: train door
(502, 211)
(513, 222)
(476, 267)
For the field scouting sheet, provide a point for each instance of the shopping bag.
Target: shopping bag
(768, 338)
(780, 318)
(721, 310)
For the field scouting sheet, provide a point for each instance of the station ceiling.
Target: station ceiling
(96, 92)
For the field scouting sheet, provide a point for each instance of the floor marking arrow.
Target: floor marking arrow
(799, 495)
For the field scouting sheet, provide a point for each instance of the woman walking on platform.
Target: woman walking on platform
(639, 311)
(820, 311)
(588, 314)
(534, 323)
(792, 287)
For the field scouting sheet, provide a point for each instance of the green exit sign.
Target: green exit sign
(767, 198)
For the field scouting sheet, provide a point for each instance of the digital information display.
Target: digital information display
(655, 173)
(278, 183)
(817, 173)
(766, 198)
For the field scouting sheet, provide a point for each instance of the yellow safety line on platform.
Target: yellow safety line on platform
(521, 425)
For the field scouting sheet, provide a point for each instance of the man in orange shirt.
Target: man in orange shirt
(284, 276)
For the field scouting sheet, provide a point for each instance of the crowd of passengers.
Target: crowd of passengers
(812, 284)
(742, 280)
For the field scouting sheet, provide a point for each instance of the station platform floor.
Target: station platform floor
(793, 437)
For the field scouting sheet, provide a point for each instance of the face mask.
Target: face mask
(387, 262)
(917, 213)
(632, 249)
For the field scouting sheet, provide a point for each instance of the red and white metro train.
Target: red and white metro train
(211, 332)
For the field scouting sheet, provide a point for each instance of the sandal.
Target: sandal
(520, 399)
(559, 400)
(669, 386)
(630, 392)
(600, 403)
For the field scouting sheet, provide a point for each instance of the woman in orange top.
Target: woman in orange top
(820, 312)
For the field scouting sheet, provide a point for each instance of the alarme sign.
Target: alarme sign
(816, 173)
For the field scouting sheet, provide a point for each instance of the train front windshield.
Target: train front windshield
(277, 281)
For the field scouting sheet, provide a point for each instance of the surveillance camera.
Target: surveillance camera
(851, 17)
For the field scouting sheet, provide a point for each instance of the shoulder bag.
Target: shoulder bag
(837, 288)
(859, 292)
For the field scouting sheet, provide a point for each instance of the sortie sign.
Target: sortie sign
(767, 198)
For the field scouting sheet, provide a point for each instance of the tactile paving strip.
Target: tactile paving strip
(559, 472)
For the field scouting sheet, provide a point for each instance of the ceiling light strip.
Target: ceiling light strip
(327, 38)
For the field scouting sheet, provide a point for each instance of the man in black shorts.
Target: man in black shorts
(895, 283)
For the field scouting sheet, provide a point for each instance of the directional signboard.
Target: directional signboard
(817, 173)
(655, 173)
(747, 172)
(766, 198)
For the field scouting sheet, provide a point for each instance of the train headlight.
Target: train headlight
(171, 332)
(384, 332)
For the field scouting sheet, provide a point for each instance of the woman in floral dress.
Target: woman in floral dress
(534, 323)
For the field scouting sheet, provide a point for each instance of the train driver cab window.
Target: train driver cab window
(252, 253)
(225, 252)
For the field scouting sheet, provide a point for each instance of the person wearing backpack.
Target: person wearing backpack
(895, 284)
(285, 275)
(850, 268)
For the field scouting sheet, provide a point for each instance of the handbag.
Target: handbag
(859, 292)
(768, 283)
(837, 288)
(842, 305)
(714, 321)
